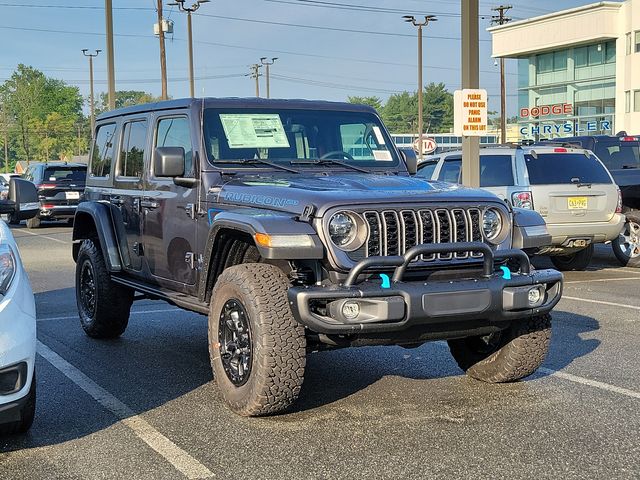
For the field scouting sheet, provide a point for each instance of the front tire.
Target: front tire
(626, 247)
(579, 260)
(257, 348)
(505, 356)
(12, 220)
(103, 305)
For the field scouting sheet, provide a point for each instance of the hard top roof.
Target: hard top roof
(236, 102)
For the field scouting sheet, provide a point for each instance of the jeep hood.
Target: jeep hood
(292, 193)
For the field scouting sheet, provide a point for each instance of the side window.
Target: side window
(496, 171)
(451, 171)
(102, 151)
(175, 132)
(134, 140)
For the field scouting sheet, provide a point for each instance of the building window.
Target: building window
(610, 52)
(628, 44)
(545, 63)
(636, 100)
(560, 60)
(581, 57)
(596, 54)
(552, 62)
(627, 101)
(637, 42)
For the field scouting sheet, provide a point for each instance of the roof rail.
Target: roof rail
(561, 144)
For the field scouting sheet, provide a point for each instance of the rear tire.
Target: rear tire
(103, 305)
(579, 260)
(505, 356)
(27, 413)
(33, 222)
(626, 247)
(257, 348)
(12, 220)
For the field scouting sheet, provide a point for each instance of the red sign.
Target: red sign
(546, 110)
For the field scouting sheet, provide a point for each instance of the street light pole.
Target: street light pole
(427, 19)
(111, 75)
(189, 11)
(501, 19)
(267, 64)
(86, 53)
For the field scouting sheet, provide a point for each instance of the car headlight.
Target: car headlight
(493, 226)
(7, 268)
(347, 231)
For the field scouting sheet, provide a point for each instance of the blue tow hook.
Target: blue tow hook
(386, 283)
(506, 273)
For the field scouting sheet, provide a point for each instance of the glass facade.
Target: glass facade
(567, 92)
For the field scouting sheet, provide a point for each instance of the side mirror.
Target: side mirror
(410, 160)
(23, 202)
(168, 162)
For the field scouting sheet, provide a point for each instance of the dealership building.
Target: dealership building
(578, 70)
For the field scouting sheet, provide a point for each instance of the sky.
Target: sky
(318, 57)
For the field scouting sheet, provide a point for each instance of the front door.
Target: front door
(128, 190)
(169, 211)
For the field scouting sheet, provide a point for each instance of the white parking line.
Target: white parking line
(45, 236)
(604, 280)
(178, 458)
(138, 312)
(601, 302)
(591, 383)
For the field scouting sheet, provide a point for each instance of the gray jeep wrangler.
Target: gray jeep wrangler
(297, 226)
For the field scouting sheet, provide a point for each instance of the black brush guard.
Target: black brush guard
(491, 297)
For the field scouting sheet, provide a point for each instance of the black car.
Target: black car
(60, 187)
(621, 155)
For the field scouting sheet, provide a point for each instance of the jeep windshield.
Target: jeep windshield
(313, 138)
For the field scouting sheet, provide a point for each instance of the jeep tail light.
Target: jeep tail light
(522, 200)
(46, 185)
(47, 206)
(629, 139)
(619, 206)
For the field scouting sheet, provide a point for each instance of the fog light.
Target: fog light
(351, 310)
(535, 294)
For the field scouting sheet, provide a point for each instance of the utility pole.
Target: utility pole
(255, 73)
(6, 140)
(91, 99)
(163, 56)
(189, 11)
(111, 75)
(470, 79)
(427, 19)
(501, 19)
(267, 64)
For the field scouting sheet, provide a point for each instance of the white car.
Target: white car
(17, 339)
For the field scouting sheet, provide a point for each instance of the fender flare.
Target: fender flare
(101, 217)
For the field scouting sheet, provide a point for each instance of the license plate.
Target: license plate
(577, 203)
(72, 195)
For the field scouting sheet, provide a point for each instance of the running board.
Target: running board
(174, 298)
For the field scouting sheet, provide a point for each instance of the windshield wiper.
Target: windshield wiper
(254, 161)
(328, 161)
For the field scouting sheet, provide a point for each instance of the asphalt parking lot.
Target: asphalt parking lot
(144, 406)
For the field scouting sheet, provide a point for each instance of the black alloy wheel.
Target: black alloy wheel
(235, 342)
(88, 288)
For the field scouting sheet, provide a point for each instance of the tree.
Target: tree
(400, 112)
(125, 98)
(438, 108)
(40, 113)
(374, 102)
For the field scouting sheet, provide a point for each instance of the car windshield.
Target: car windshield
(618, 154)
(61, 174)
(565, 168)
(427, 168)
(298, 136)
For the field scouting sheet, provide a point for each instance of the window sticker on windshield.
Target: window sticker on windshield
(382, 155)
(379, 136)
(254, 130)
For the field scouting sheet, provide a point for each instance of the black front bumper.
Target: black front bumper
(493, 297)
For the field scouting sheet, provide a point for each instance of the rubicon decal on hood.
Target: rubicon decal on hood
(264, 200)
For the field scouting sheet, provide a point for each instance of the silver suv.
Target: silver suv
(569, 187)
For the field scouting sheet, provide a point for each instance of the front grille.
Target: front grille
(393, 232)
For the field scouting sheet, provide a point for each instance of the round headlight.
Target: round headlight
(342, 229)
(492, 224)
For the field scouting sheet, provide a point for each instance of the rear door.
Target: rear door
(128, 188)
(570, 186)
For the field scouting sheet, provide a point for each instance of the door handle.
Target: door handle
(148, 203)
